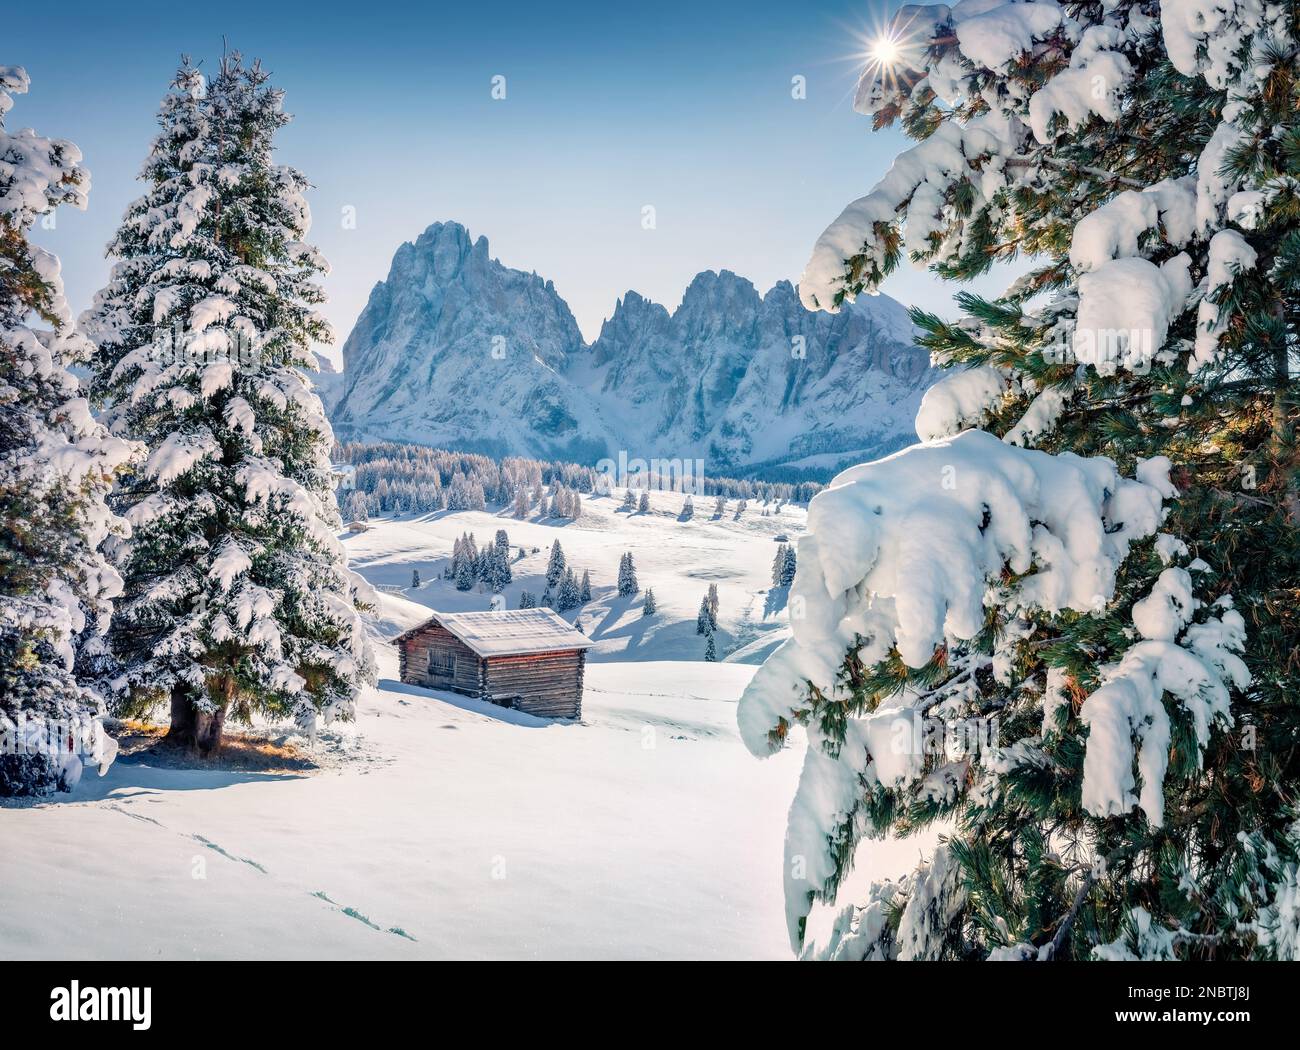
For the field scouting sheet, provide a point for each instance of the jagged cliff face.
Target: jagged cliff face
(753, 379)
(454, 349)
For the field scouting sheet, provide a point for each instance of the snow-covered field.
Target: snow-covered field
(441, 826)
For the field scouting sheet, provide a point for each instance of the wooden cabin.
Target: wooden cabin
(528, 659)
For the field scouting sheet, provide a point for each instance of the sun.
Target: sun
(885, 50)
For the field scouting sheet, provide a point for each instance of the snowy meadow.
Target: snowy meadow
(438, 825)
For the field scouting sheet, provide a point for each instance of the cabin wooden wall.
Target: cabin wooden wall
(546, 684)
(414, 661)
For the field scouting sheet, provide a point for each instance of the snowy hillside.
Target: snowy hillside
(458, 351)
(678, 559)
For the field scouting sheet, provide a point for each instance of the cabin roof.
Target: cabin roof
(508, 632)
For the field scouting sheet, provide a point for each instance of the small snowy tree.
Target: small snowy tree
(522, 505)
(584, 594)
(710, 648)
(527, 600)
(778, 565)
(56, 467)
(688, 509)
(627, 583)
(704, 621)
(237, 595)
(649, 607)
(567, 596)
(643, 504)
(629, 501)
(1060, 590)
(555, 566)
(415, 579)
(789, 565)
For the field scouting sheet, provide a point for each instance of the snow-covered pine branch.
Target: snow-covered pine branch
(1005, 94)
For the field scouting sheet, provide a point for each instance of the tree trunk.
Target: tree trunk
(192, 729)
(182, 722)
(208, 726)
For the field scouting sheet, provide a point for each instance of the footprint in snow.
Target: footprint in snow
(229, 856)
(352, 913)
(134, 816)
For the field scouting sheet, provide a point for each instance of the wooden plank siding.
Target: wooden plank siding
(437, 640)
(547, 684)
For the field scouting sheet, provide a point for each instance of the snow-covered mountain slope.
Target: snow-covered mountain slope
(456, 349)
(744, 380)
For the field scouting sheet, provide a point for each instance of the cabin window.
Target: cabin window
(442, 663)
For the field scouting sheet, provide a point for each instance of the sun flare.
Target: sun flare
(885, 50)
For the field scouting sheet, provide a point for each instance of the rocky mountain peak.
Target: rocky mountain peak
(458, 350)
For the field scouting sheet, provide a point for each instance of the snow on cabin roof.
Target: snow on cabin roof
(508, 632)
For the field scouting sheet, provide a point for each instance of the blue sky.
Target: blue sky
(609, 107)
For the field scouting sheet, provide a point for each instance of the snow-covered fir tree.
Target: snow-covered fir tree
(629, 501)
(356, 507)
(521, 504)
(711, 597)
(1067, 635)
(649, 607)
(415, 579)
(778, 564)
(789, 566)
(56, 468)
(237, 595)
(688, 509)
(568, 594)
(555, 566)
(584, 591)
(464, 558)
(643, 504)
(527, 600)
(627, 582)
(493, 564)
(710, 648)
(704, 620)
